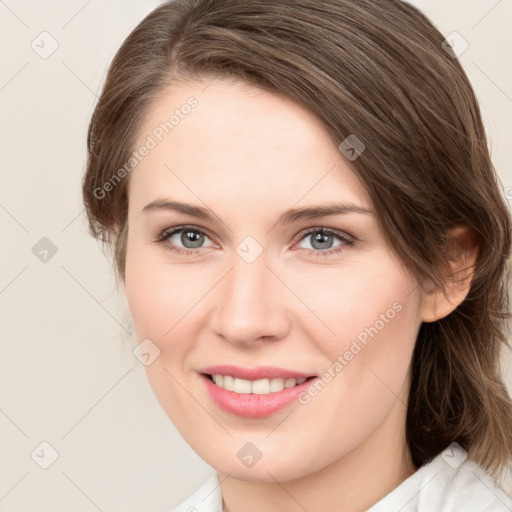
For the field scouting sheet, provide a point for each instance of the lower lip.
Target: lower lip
(249, 405)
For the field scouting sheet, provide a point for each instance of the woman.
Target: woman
(313, 244)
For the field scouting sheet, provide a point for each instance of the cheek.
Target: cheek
(160, 296)
(375, 355)
(372, 312)
(363, 299)
(167, 304)
(161, 302)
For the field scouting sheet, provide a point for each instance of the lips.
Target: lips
(254, 392)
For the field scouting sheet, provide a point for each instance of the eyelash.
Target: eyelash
(168, 233)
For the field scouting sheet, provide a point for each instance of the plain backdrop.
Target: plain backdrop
(68, 378)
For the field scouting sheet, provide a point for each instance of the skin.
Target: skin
(249, 155)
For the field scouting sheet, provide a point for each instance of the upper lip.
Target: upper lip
(260, 372)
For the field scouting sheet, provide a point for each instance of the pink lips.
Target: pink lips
(252, 405)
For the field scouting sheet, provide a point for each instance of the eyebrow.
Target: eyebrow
(287, 217)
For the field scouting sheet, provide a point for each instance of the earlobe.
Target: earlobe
(462, 251)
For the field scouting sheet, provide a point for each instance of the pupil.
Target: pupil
(324, 241)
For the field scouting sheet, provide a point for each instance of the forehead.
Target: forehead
(223, 136)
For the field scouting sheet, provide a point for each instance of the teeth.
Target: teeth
(256, 387)
(228, 383)
(260, 387)
(276, 385)
(289, 383)
(242, 386)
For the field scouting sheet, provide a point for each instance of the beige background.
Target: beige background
(67, 374)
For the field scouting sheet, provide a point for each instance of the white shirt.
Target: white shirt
(448, 483)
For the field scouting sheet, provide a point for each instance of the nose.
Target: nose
(251, 304)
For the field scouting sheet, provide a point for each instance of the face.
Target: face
(303, 317)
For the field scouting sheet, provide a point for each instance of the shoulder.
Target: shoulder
(450, 482)
(208, 498)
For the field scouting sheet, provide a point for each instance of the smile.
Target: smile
(255, 387)
(254, 393)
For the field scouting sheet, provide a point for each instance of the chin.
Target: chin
(257, 461)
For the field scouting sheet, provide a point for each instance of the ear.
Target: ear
(463, 251)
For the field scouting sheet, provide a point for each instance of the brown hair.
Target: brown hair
(376, 69)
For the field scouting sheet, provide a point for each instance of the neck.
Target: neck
(352, 483)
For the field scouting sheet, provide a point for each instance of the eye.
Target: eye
(322, 241)
(189, 237)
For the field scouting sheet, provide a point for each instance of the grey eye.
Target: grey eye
(188, 238)
(321, 240)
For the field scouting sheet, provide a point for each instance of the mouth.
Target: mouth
(254, 393)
